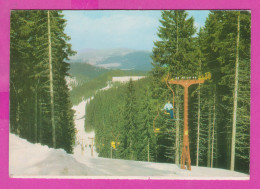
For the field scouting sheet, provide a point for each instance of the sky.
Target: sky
(108, 29)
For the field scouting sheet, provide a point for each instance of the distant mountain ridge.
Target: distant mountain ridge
(125, 59)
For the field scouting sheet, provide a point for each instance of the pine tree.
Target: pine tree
(130, 122)
(219, 48)
(30, 93)
(145, 134)
(174, 51)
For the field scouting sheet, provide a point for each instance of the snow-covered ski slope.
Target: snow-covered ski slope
(29, 160)
(83, 139)
(34, 160)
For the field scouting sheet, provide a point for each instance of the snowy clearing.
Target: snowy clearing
(27, 159)
(34, 160)
(83, 141)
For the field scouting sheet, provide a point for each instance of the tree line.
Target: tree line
(40, 108)
(100, 80)
(219, 109)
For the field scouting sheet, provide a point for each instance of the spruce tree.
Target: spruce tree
(219, 39)
(174, 51)
(30, 112)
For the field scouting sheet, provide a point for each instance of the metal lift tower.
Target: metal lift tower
(185, 157)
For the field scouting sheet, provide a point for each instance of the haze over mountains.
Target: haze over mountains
(125, 59)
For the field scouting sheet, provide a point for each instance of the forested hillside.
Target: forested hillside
(40, 108)
(219, 110)
(84, 72)
(115, 116)
(100, 78)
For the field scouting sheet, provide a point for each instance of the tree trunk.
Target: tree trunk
(51, 84)
(198, 129)
(213, 131)
(209, 138)
(233, 144)
(216, 146)
(40, 120)
(111, 150)
(148, 152)
(198, 132)
(36, 116)
(17, 117)
(177, 143)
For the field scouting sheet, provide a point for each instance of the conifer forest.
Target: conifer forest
(128, 119)
(40, 107)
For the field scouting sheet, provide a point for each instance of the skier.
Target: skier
(169, 108)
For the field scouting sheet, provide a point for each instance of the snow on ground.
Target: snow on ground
(143, 170)
(27, 159)
(71, 82)
(125, 79)
(35, 160)
(83, 139)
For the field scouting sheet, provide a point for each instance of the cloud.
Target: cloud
(198, 25)
(117, 29)
(135, 29)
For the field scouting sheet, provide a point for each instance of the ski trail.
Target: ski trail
(83, 142)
